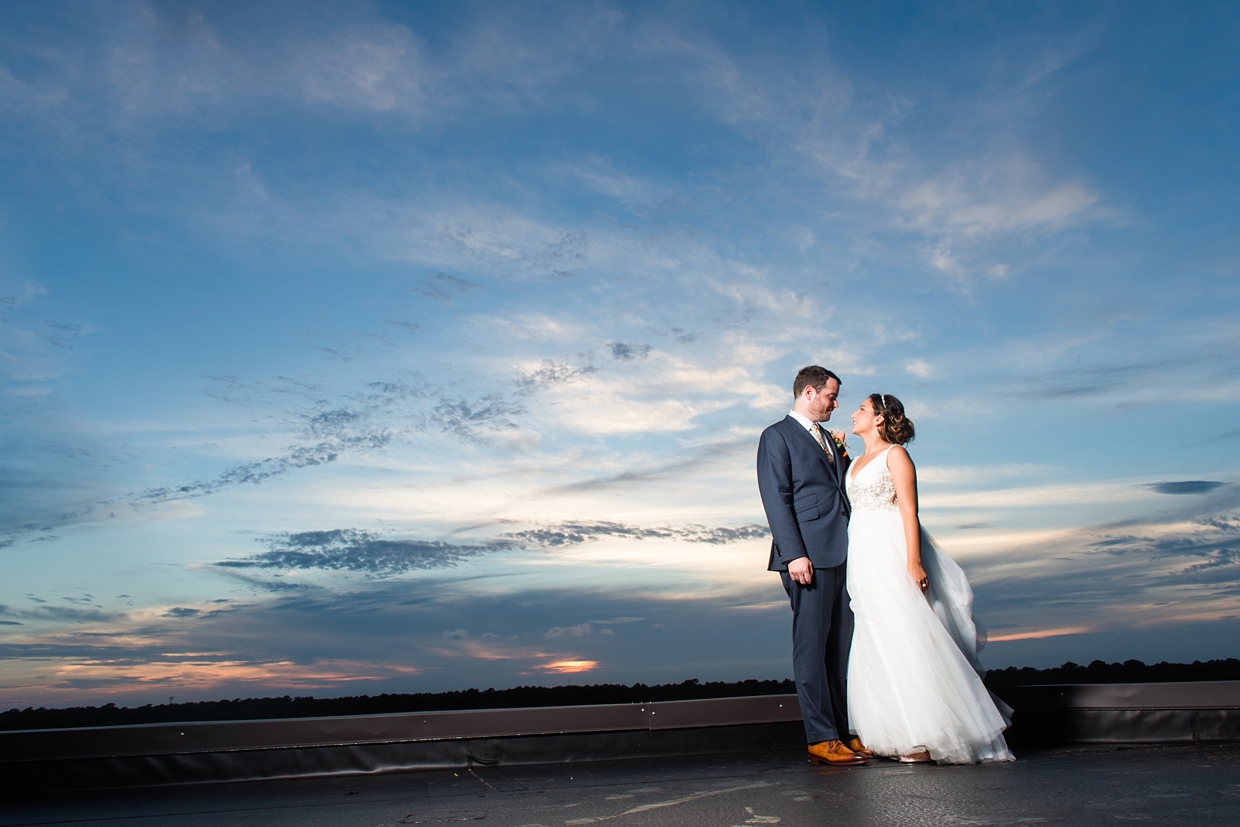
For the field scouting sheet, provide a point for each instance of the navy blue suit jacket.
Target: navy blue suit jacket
(804, 497)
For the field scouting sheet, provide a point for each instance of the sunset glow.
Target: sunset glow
(566, 667)
(1039, 634)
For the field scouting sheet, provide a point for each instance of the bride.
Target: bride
(914, 691)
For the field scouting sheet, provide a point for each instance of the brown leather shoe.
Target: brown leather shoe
(856, 746)
(835, 753)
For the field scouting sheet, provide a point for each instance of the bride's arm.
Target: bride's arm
(904, 475)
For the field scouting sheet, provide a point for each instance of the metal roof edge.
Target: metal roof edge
(410, 727)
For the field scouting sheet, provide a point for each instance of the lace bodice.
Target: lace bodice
(873, 487)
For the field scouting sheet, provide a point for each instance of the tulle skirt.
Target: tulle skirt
(913, 673)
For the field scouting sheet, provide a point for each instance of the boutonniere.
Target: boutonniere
(840, 445)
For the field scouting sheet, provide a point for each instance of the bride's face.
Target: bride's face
(863, 419)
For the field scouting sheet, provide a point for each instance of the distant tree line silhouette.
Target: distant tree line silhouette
(309, 707)
(1131, 671)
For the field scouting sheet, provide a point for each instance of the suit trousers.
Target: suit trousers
(822, 631)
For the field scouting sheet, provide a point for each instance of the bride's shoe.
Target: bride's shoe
(920, 757)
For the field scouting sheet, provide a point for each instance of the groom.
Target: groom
(801, 479)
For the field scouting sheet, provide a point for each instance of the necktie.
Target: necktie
(817, 432)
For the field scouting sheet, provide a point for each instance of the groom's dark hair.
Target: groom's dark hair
(814, 377)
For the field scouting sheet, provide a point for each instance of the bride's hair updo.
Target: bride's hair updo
(896, 428)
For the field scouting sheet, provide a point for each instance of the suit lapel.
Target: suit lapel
(839, 466)
(842, 468)
(832, 468)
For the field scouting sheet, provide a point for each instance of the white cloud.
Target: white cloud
(664, 392)
(536, 327)
(919, 367)
(979, 199)
(975, 474)
(378, 68)
(573, 631)
(1041, 496)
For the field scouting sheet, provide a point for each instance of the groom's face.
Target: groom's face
(825, 401)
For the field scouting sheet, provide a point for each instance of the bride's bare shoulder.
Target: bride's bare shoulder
(898, 456)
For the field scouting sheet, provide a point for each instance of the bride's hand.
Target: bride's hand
(919, 576)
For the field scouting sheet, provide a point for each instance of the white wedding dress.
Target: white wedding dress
(913, 674)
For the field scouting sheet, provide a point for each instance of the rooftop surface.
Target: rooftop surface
(1197, 785)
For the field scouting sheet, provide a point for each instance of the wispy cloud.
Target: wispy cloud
(1135, 574)
(331, 434)
(571, 533)
(1102, 380)
(627, 352)
(551, 373)
(1187, 487)
(385, 556)
(356, 550)
(574, 631)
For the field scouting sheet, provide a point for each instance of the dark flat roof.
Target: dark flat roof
(1190, 785)
(211, 736)
(60, 760)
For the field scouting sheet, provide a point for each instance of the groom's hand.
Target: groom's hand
(801, 570)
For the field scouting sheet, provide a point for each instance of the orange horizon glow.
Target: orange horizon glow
(1039, 634)
(568, 667)
(203, 675)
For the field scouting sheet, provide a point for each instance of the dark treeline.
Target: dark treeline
(287, 707)
(1132, 671)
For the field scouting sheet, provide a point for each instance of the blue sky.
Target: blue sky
(409, 347)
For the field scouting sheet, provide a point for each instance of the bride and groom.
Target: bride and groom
(884, 646)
